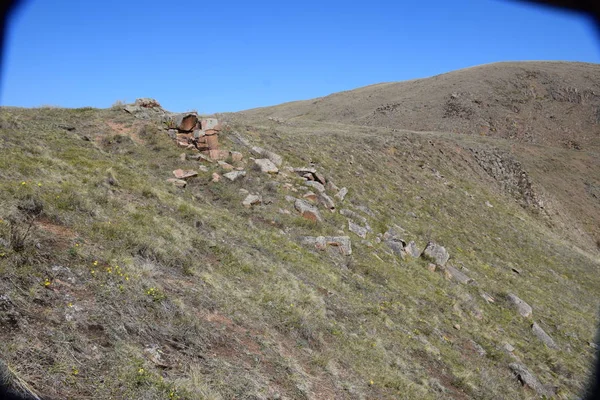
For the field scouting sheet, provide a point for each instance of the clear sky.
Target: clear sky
(231, 55)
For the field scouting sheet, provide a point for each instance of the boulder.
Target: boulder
(543, 336)
(436, 253)
(315, 185)
(307, 210)
(396, 244)
(266, 166)
(341, 194)
(183, 122)
(357, 229)
(181, 174)
(412, 249)
(523, 308)
(528, 379)
(251, 200)
(235, 175)
(177, 182)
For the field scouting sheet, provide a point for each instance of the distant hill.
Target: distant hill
(556, 103)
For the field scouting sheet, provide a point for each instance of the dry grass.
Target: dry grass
(156, 292)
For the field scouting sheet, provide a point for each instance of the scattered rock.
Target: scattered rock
(216, 177)
(457, 327)
(543, 336)
(244, 191)
(181, 174)
(284, 211)
(216, 154)
(397, 245)
(236, 156)
(487, 297)
(436, 253)
(177, 182)
(357, 229)
(307, 210)
(203, 168)
(528, 379)
(331, 186)
(290, 199)
(487, 203)
(182, 157)
(251, 200)
(266, 165)
(452, 273)
(508, 347)
(366, 210)
(273, 157)
(200, 157)
(480, 350)
(322, 242)
(225, 166)
(326, 201)
(235, 175)
(155, 355)
(351, 214)
(431, 267)
(412, 249)
(523, 308)
(341, 194)
(315, 185)
(310, 196)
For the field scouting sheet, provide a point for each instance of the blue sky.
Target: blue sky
(232, 55)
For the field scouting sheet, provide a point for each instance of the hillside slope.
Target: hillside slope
(546, 115)
(555, 103)
(124, 286)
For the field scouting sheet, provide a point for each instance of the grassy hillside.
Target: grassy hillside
(124, 286)
(547, 112)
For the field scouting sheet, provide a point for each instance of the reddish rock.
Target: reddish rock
(310, 196)
(185, 122)
(217, 154)
(236, 156)
(307, 210)
(213, 143)
(216, 177)
(181, 174)
(225, 166)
